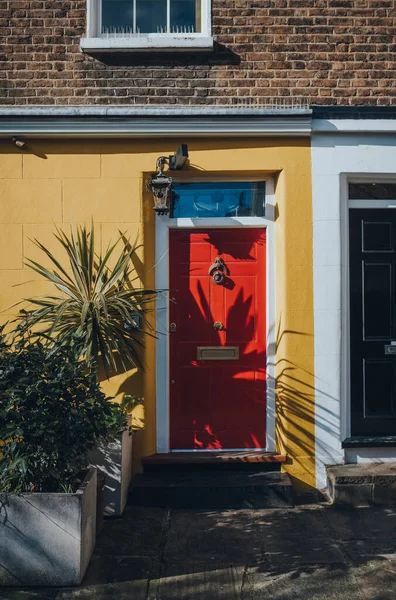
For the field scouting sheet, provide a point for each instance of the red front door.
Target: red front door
(217, 339)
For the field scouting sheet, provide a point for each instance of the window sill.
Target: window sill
(151, 42)
(361, 441)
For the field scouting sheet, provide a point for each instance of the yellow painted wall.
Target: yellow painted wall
(64, 181)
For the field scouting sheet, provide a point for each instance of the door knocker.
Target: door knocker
(218, 270)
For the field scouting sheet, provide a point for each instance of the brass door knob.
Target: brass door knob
(218, 326)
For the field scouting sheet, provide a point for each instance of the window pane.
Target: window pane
(183, 16)
(372, 191)
(244, 199)
(151, 16)
(117, 16)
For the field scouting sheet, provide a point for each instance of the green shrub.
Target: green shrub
(52, 412)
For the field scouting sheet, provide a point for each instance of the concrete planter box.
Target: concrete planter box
(47, 539)
(115, 460)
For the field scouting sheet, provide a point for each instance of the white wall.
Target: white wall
(335, 157)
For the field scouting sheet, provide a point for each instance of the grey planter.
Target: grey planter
(47, 539)
(115, 460)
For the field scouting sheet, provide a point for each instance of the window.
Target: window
(225, 199)
(125, 17)
(141, 24)
(372, 191)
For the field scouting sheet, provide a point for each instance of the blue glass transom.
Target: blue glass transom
(223, 199)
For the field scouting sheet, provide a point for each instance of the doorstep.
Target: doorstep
(363, 484)
(239, 479)
(195, 461)
(212, 490)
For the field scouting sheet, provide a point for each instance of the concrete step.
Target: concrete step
(363, 484)
(224, 489)
(189, 462)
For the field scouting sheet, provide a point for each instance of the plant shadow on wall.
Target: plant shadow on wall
(295, 406)
(307, 427)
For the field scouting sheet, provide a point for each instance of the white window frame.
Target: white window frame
(162, 227)
(97, 42)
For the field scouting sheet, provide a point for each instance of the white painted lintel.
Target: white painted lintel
(354, 126)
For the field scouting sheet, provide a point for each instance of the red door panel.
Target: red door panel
(218, 403)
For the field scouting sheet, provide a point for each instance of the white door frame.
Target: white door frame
(346, 205)
(162, 226)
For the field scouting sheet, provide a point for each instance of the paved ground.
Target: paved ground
(305, 553)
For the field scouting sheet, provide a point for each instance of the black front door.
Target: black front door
(373, 321)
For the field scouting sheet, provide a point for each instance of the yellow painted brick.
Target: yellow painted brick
(298, 250)
(61, 160)
(19, 284)
(111, 232)
(45, 234)
(6, 323)
(11, 246)
(300, 296)
(129, 158)
(239, 154)
(126, 382)
(104, 200)
(11, 165)
(131, 231)
(23, 201)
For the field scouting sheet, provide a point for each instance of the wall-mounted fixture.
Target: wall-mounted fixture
(160, 185)
(18, 143)
(179, 158)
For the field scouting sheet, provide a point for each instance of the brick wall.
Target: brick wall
(326, 51)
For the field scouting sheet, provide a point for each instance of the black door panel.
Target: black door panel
(373, 321)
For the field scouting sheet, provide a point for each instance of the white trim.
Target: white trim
(153, 42)
(163, 122)
(95, 41)
(354, 125)
(346, 206)
(163, 225)
(371, 203)
(345, 382)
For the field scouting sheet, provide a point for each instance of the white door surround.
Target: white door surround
(337, 159)
(162, 226)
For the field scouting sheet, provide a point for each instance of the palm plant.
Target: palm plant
(96, 309)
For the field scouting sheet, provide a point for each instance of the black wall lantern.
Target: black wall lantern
(160, 185)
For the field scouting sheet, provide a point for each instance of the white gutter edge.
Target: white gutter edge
(353, 125)
(154, 126)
